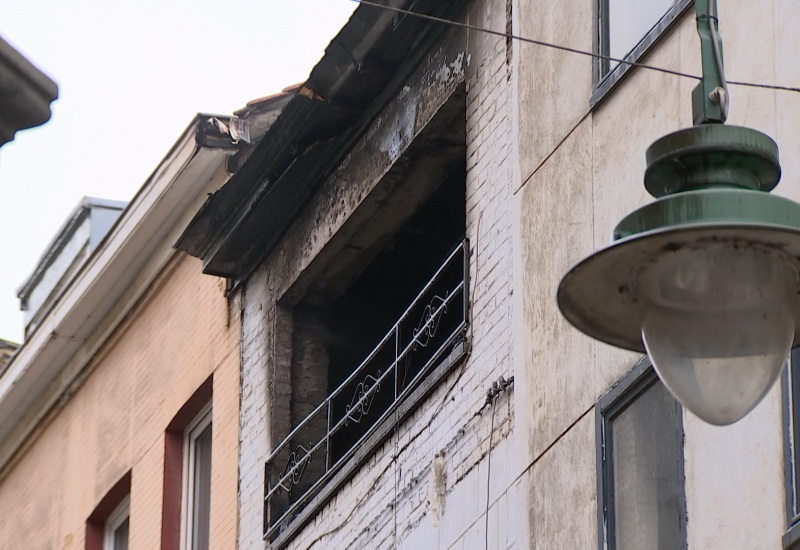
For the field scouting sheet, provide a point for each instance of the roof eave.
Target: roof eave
(25, 93)
(89, 299)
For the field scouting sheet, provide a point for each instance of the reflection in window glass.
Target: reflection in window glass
(646, 455)
(640, 496)
(121, 536)
(629, 21)
(791, 382)
(202, 489)
(197, 482)
(117, 527)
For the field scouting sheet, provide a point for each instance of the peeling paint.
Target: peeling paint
(395, 142)
(436, 501)
(452, 71)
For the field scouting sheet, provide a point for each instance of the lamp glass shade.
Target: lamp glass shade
(717, 327)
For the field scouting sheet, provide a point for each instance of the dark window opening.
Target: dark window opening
(372, 304)
(373, 324)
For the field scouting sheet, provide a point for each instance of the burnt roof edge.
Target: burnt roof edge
(25, 93)
(368, 31)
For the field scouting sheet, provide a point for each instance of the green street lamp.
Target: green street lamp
(704, 279)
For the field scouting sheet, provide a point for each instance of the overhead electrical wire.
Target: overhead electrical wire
(566, 48)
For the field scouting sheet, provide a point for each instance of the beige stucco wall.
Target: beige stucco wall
(181, 332)
(579, 172)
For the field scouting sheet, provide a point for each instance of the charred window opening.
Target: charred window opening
(370, 306)
(368, 330)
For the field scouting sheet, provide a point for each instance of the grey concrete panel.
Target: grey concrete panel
(556, 382)
(562, 492)
(553, 86)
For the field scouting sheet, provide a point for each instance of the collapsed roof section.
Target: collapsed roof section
(364, 65)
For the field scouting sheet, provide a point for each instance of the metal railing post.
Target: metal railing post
(466, 289)
(396, 358)
(328, 437)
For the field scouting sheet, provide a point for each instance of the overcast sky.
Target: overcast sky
(131, 76)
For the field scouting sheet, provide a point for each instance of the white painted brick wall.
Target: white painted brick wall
(385, 505)
(253, 448)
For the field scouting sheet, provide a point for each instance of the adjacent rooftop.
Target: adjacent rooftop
(76, 240)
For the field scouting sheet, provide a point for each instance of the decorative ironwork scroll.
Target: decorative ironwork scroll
(362, 399)
(295, 466)
(422, 336)
(426, 329)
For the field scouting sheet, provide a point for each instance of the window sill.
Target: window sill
(605, 84)
(791, 539)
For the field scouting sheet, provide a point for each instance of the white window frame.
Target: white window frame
(195, 428)
(117, 518)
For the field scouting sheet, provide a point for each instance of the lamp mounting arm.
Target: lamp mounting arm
(710, 97)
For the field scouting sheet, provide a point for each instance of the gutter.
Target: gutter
(25, 93)
(106, 287)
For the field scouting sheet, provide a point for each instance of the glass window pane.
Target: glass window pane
(201, 494)
(646, 456)
(116, 529)
(121, 536)
(794, 381)
(630, 20)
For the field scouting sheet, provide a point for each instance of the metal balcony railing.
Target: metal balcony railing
(423, 336)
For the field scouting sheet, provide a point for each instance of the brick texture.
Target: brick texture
(177, 336)
(387, 503)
